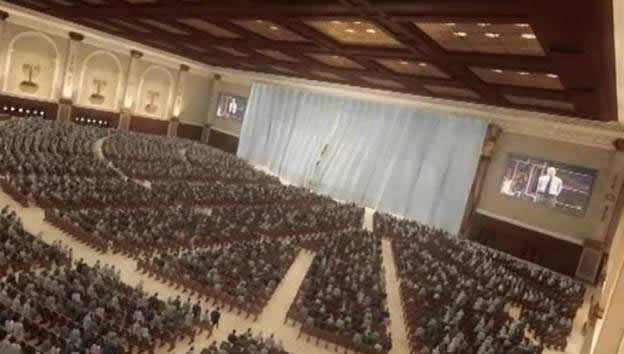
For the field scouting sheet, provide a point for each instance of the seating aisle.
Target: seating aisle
(397, 322)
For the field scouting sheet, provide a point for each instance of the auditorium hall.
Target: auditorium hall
(311, 177)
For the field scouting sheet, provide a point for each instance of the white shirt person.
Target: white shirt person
(549, 187)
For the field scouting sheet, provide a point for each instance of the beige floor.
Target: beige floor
(272, 318)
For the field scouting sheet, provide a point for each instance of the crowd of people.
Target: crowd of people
(83, 309)
(147, 148)
(344, 293)
(41, 147)
(459, 297)
(207, 220)
(160, 158)
(246, 342)
(146, 230)
(81, 192)
(21, 250)
(246, 273)
(76, 191)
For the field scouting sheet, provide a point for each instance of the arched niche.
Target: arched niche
(154, 92)
(100, 81)
(32, 66)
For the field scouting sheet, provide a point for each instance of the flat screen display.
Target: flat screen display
(557, 185)
(231, 107)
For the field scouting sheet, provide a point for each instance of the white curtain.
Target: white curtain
(405, 160)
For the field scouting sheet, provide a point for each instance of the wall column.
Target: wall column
(67, 85)
(611, 331)
(212, 108)
(487, 151)
(178, 98)
(612, 227)
(3, 45)
(129, 91)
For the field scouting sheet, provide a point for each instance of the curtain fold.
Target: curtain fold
(405, 160)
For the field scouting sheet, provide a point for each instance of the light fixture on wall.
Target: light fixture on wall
(152, 107)
(97, 98)
(31, 71)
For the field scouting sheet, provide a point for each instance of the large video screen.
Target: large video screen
(231, 107)
(554, 184)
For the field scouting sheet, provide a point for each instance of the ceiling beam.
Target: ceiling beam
(204, 10)
(502, 61)
(209, 10)
(455, 8)
(546, 94)
(459, 19)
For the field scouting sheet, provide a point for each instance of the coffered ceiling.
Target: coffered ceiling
(552, 56)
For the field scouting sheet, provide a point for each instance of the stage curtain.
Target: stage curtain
(406, 160)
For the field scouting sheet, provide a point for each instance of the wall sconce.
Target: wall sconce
(152, 107)
(97, 97)
(31, 71)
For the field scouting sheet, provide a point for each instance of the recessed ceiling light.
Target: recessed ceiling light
(350, 30)
(403, 62)
(422, 64)
(451, 24)
(483, 24)
(371, 31)
(460, 34)
(259, 21)
(523, 25)
(552, 76)
(274, 28)
(492, 35)
(498, 71)
(523, 73)
(336, 22)
(357, 22)
(528, 36)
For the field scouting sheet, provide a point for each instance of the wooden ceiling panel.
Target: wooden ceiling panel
(327, 75)
(498, 52)
(277, 55)
(536, 102)
(102, 25)
(270, 30)
(196, 48)
(484, 37)
(382, 82)
(130, 25)
(207, 27)
(337, 61)
(283, 69)
(452, 91)
(163, 26)
(519, 78)
(413, 68)
(62, 2)
(232, 51)
(354, 31)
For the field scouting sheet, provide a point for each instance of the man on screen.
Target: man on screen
(548, 187)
